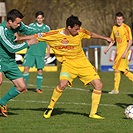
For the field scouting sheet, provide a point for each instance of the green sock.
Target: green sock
(39, 80)
(13, 92)
(26, 77)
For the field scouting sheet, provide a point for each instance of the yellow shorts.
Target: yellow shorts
(82, 69)
(121, 64)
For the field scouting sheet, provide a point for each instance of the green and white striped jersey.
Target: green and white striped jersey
(7, 45)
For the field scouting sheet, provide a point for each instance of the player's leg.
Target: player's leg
(55, 96)
(125, 69)
(26, 74)
(39, 80)
(129, 75)
(28, 62)
(88, 75)
(66, 76)
(19, 85)
(96, 96)
(120, 65)
(13, 92)
(3, 108)
(39, 63)
(117, 78)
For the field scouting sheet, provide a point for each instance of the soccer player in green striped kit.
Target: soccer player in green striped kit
(36, 53)
(8, 47)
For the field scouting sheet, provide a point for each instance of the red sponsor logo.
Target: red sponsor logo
(64, 47)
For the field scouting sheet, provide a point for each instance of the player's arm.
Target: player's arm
(94, 35)
(127, 49)
(129, 40)
(48, 51)
(38, 37)
(28, 30)
(12, 46)
(22, 38)
(109, 46)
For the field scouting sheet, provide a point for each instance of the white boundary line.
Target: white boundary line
(63, 103)
(80, 89)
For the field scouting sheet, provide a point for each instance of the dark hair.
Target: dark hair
(39, 13)
(119, 14)
(13, 14)
(72, 21)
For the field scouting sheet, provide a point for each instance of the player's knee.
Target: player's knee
(62, 85)
(21, 88)
(26, 69)
(99, 86)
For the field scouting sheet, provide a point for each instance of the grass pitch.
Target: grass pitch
(72, 109)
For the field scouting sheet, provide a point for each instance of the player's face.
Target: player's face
(15, 24)
(39, 19)
(119, 20)
(74, 31)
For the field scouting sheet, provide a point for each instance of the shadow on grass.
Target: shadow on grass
(31, 89)
(122, 105)
(131, 95)
(9, 113)
(60, 111)
(56, 111)
(103, 91)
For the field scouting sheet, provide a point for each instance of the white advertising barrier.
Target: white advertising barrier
(107, 60)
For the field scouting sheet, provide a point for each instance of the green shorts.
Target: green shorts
(11, 70)
(34, 60)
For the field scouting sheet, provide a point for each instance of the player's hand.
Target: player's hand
(17, 37)
(32, 41)
(47, 55)
(123, 56)
(105, 51)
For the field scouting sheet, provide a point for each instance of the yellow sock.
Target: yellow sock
(128, 74)
(96, 96)
(56, 95)
(117, 79)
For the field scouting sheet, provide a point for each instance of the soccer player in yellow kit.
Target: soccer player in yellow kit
(121, 34)
(67, 46)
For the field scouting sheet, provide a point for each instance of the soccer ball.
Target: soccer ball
(129, 112)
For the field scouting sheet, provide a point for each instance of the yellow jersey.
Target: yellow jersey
(65, 47)
(121, 35)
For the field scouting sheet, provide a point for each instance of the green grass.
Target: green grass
(71, 111)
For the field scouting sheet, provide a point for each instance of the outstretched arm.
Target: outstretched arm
(110, 45)
(21, 38)
(94, 35)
